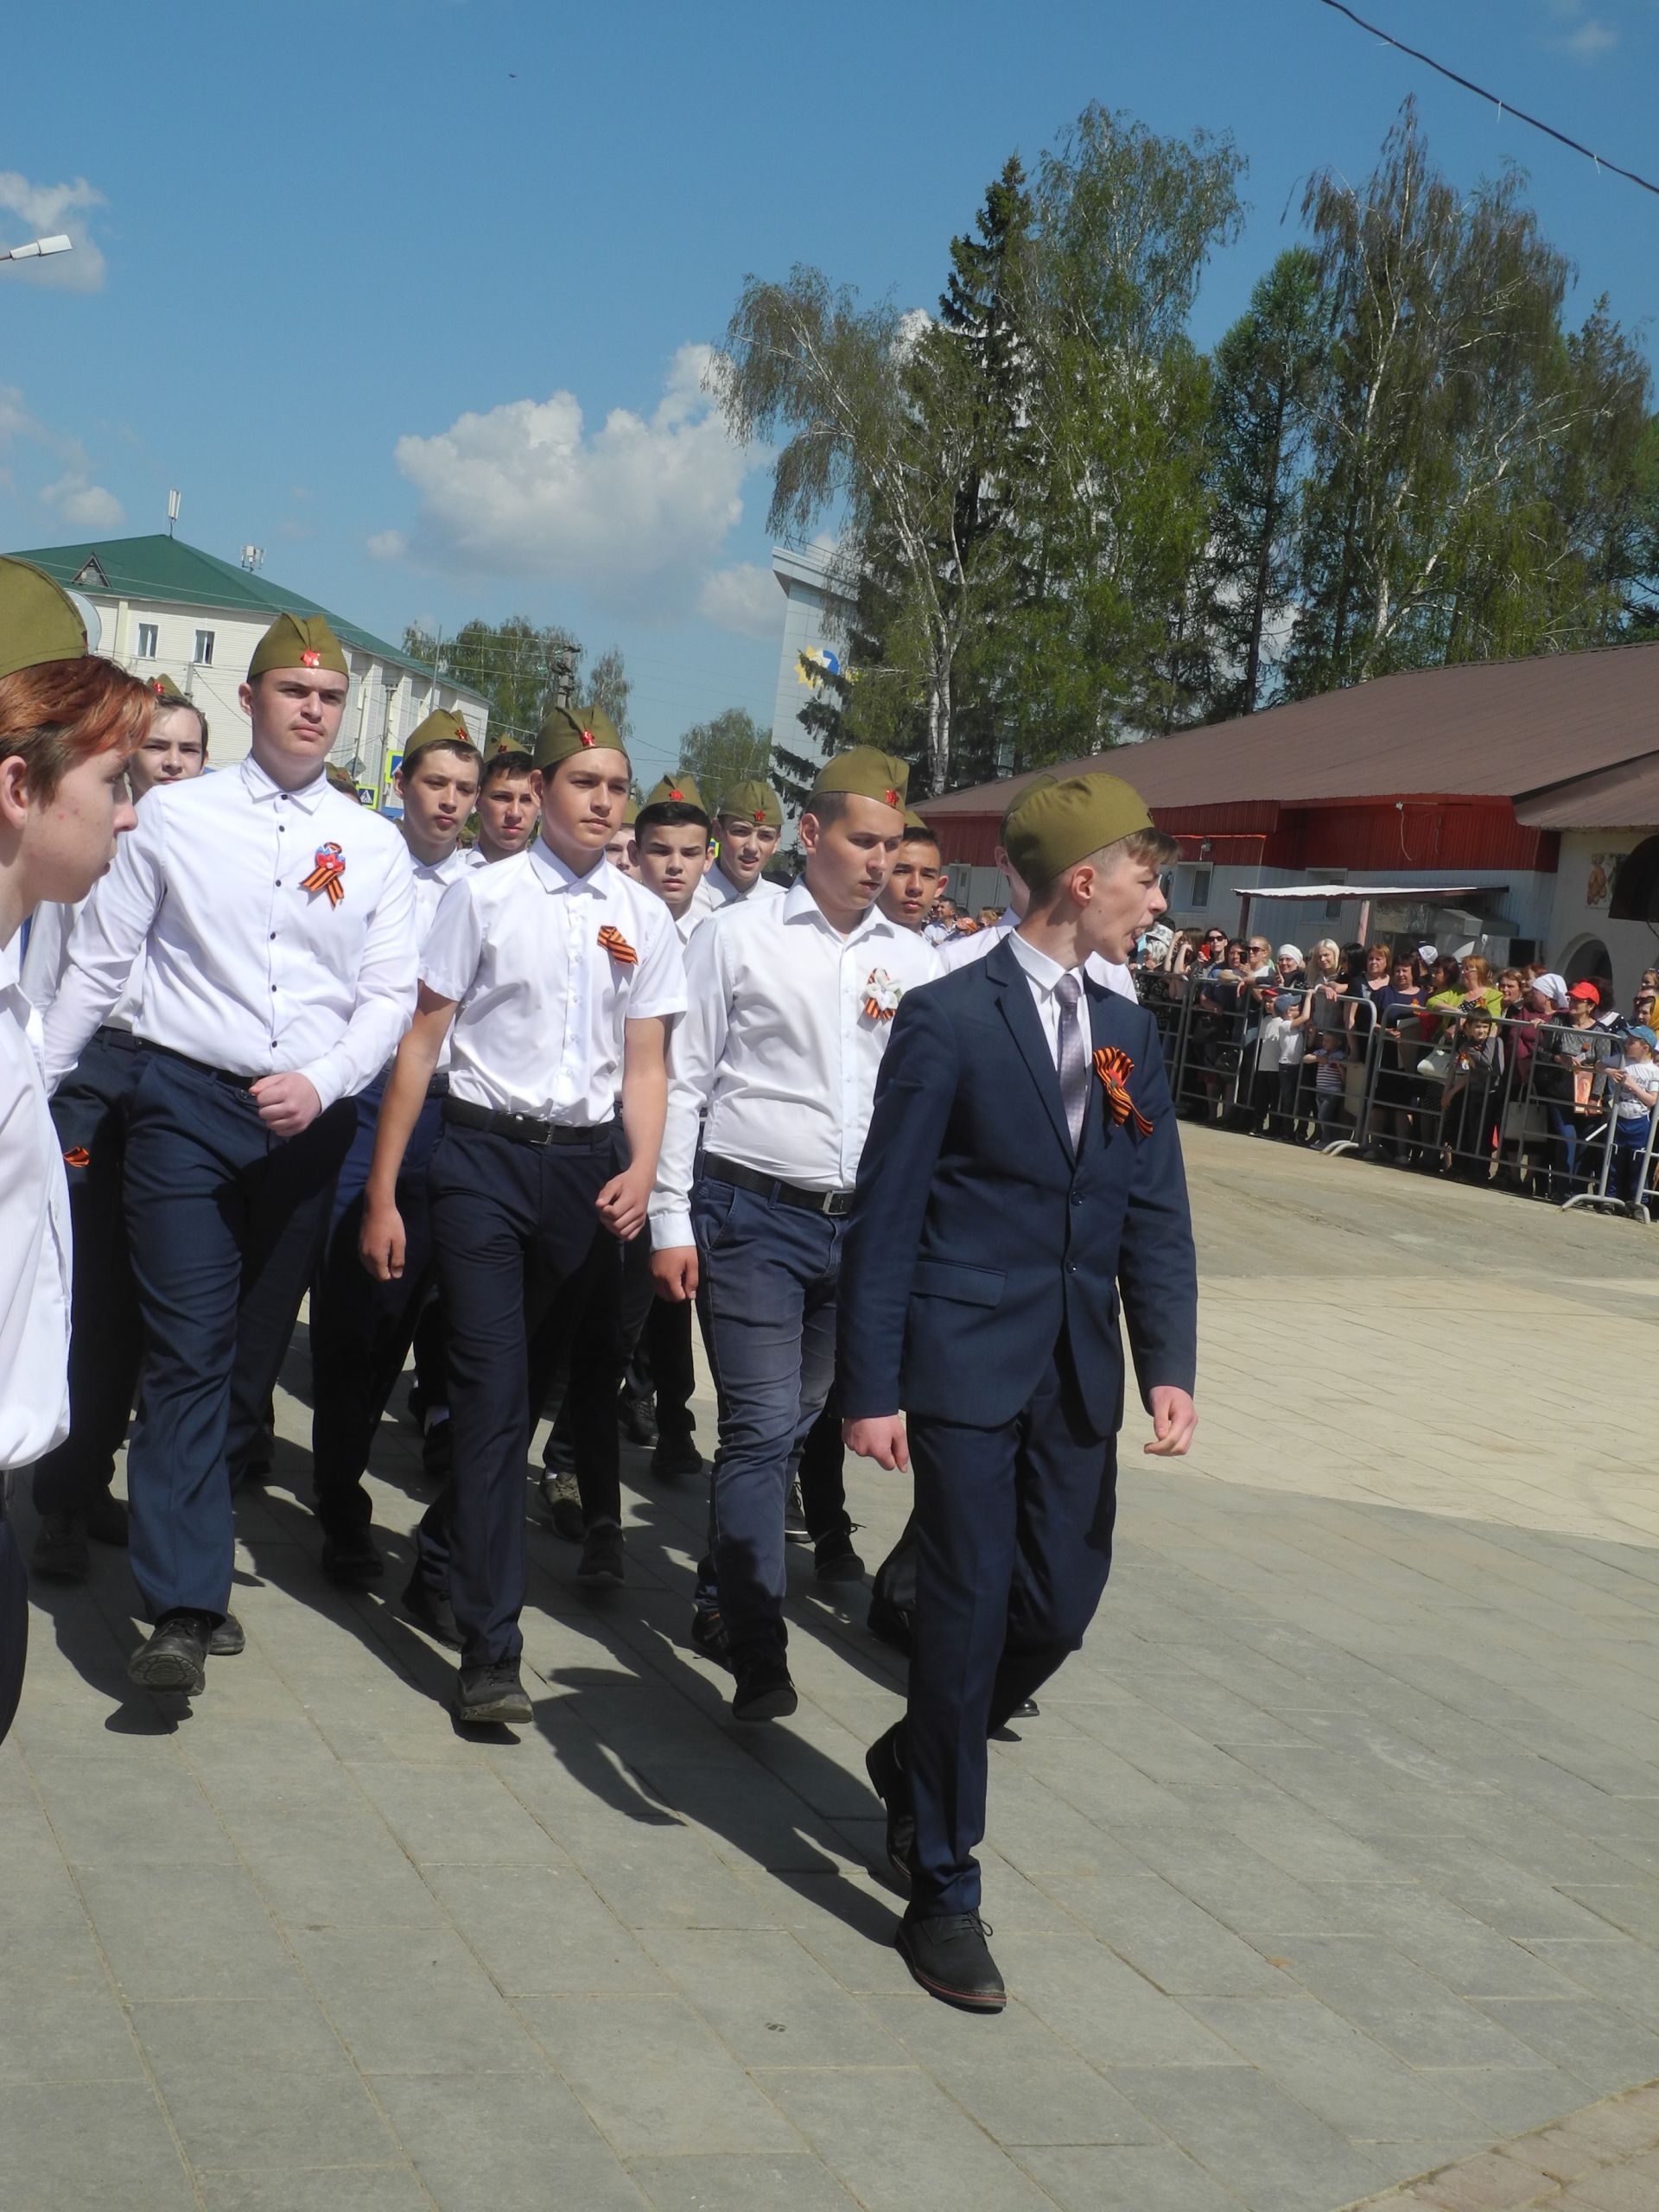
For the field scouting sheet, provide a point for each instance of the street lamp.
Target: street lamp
(35, 248)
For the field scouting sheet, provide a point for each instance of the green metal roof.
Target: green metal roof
(166, 569)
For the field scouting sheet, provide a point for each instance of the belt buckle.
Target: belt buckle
(836, 1203)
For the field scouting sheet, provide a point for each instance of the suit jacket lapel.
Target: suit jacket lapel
(1021, 1015)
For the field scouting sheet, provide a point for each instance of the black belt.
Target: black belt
(523, 1128)
(201, 1067)
(833, 1203)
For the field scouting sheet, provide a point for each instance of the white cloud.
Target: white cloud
(87, 505)
(634, 513)
(36, 211)
(1591, 40)
(388, 545)
(744, 599)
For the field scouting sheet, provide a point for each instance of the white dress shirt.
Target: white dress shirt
(47, 959)
(778, 1048)
(432, 880)
(245, 968)
(541, 1004)
(1043, 973)
(34, 1243)
(962, 951)
(717, 891)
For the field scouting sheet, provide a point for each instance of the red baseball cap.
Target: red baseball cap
(1586, 991)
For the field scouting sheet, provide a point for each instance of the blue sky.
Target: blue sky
(404, 292)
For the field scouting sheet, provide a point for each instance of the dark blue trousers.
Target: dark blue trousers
(361, 1330)
(1013, 1545)
(224, 1223)
(521, 1257)
(14, 1617)
(769, 1273)
(89, 1113)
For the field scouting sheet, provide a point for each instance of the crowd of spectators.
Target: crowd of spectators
(1416, 1057)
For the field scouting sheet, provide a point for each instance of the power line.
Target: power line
(1504, 107)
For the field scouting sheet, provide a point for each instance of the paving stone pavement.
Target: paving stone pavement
(1331, 1862)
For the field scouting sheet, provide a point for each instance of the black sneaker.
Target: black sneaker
(490, 1697)
(764, 1690)
(563, 1504)
(636, 1420)
(710, 1637)
(107, 1520)
(228, 1639)
(948, 1956)
(675, 1459)
(891, 1622)
(833, 1558)
(61, 1553)
(431, 1610)
(891, 1785)
(794, 1510)
(602, 1559)
(175, 1657)
(350, 1561)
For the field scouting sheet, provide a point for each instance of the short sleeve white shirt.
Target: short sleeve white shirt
(717, 891)
(541, 1000)
(34, 1250)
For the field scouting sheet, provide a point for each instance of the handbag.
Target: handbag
(1437, 1064)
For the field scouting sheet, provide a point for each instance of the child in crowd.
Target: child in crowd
(1330, 1058)
(1291, 1043)
(1636, 1088)
(1467, 1119)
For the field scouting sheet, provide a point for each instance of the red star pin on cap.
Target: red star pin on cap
(674, 793)
(892, 799)
(309, 658)
(760, 815)
(588, 737)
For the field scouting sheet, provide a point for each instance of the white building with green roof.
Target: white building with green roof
(165, 608)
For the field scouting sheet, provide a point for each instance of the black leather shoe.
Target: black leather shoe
(890, 1623)
(833, 1558)
(764, 1690)
(676, 1459)
(438, 1452)
(107, 1520)
(490, 1697)
(352, 1562)
(891, 1785)
(636, 1420)
(430, 1609)
(228, 1639)
(1028, 1709)
(175, 1657)
(61, 1553)
(948, 1956)
(709, 1636)
(563, 1504)
(602, 1559)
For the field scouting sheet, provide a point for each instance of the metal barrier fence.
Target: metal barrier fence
(1530, 1106)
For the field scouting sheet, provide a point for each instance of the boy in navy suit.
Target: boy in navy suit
(1022, 1184)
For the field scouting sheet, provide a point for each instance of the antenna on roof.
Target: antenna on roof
(253, 558)
(172, 499)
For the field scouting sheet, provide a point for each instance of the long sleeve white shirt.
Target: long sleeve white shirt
(541, 1001)
(245, 968)
(716, 892)
(35, 1253)
(777, 1047)
(47, 961)
(962, 951)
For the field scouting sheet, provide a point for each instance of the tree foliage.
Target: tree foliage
(731, 748)
(523, 669)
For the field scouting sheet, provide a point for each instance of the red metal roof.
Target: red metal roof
(1491, 729)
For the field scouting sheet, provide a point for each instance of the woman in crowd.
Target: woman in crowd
(1475, 974)
(68, 723)
(1396, 1007)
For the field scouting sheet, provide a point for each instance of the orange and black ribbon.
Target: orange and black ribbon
(1114, 1067)
(617, 946)
(326, 875)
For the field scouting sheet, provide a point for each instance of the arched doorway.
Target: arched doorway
(1585, 960)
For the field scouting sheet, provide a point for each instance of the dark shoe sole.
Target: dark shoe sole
(414, 1612)
(61, 1569)
(771, 1705)
(847, 1568)
(501, 1711)
(166, 1670)
(354, 1574)
(963, 2000)
(228, 1639)
(599, 1578)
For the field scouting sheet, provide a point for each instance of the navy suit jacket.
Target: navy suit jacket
(978, 1239)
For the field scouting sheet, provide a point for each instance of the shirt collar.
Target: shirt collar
(800, 905)
(260, 787)
(599, 882)
(1044, 971)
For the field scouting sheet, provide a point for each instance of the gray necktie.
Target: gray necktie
(1074, 1061)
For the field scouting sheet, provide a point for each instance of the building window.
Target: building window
(1200, 886)
(204, 652)
(146, 641)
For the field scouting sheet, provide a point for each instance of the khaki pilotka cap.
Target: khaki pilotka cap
(38, 621)
(675, 790)
(1056, 824)
(914, 821)
(299, 641)
(866, 773)
(631, 814)
(754, 801)
(166, 693)
(508, 741)
(440, 727)
(566, 730)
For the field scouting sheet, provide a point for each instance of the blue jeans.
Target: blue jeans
(769, 1278)
(1629, 1141)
